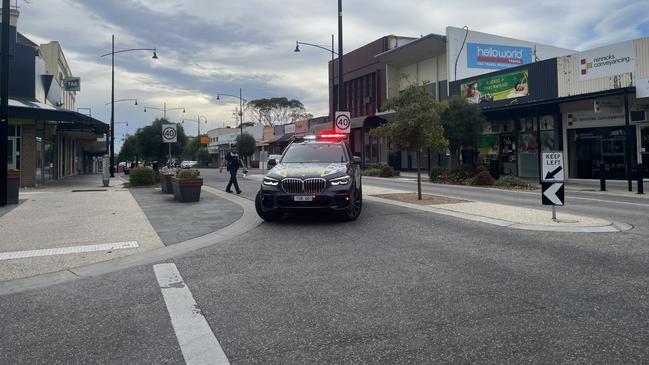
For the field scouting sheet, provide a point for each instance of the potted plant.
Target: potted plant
(13, 186)
(166, 174)
(187, 185)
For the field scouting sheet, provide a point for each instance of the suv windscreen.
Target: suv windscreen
(315, 153)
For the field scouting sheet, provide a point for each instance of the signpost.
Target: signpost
(169, 135)
(552, 180)
(343, 122)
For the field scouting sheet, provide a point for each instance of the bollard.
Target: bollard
(640, 179)
(602, 177)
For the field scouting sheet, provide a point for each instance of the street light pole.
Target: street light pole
(332, 106)
(341, 90)
(112, 108)
(112, 95)
(240, 111)
(4, 103)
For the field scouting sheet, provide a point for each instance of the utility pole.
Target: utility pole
(240, 111)
(112, 108)
(4, 102)
(341, 91)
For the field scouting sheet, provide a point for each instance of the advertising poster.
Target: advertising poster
(496, 57)
(501, 87)
(606, 61)
(488, 145)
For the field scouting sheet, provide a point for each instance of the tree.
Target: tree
(416, 126)
(191, 147)
(276, 111)
(463, 125)
(150, 145)
(128, 152)
(203, 156)
(246, 145)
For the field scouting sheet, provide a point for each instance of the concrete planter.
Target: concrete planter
(13, 186)
(187, 190)
(165, 184)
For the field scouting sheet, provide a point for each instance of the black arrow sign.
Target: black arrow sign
(553, 173)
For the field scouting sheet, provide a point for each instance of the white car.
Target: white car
(188, 164)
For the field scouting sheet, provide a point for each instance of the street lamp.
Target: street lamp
(121, 100)
(341, 91)
(112, 96)
(241, 101)
(198, 123)
(297, 49)
(164, 109)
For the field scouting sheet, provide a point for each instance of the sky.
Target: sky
(207, 47)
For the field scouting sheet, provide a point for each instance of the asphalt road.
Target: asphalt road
(396, 286)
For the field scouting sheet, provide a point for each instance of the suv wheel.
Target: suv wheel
(355, 206)
(267, 216)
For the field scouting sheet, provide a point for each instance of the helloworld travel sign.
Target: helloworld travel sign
(496, 57)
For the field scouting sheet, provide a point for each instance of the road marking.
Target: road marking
(68, 250)
(195, 337)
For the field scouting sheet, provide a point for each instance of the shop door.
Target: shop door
(588, 156)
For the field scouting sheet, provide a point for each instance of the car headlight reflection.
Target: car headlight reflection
(270, 181)
(341, 181)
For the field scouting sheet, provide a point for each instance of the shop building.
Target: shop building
(47, 138)
(592, 105)
(461, 53)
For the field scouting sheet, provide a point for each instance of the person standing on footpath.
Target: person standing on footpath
(233, 163)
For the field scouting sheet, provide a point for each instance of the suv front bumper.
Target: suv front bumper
(332, 198)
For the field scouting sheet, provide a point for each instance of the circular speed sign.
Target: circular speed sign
(343, 122)
(169, 133)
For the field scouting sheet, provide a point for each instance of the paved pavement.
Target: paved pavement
(68, 214)
(177, 222)
(396, 286)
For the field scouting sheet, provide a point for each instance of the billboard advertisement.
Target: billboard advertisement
(607, 61)
(500, 87)
(496, 57)
(471, 53)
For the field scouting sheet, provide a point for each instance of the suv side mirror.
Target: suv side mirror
(356, 160)
(271, 163)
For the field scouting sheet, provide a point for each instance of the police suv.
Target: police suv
(314, 172)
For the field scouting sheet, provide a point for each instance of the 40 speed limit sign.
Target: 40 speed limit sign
(169, 134)
(342, 123)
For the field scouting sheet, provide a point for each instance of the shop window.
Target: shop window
(589, 147)
(432, 89)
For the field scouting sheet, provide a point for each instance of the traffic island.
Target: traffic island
(496, 214)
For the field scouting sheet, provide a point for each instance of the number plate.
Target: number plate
(303, 198)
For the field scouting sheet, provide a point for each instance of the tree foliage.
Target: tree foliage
(417, 124)
(463, 124)
(246, 145)
(150, 145)
(128, 152)
(276, 111)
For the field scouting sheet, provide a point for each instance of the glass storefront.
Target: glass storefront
(644, 149)
(589, 147)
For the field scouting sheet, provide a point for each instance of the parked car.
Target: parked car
(188, 164)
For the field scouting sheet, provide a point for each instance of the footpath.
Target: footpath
(76, 222)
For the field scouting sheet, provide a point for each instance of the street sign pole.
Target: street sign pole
(554, 213)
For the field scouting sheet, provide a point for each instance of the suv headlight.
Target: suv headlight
(270, 181)
(341, 180)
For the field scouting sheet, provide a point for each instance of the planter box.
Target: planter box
(165, 184)
(13, 186)
(187, 190)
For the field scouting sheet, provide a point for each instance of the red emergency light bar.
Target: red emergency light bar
(332, 135)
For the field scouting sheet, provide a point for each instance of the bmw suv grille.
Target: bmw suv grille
(307, 186)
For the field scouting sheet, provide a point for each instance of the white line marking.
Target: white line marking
(68, 250)
(195, 337)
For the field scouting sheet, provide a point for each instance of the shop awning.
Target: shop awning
(285, 138)
(66, 119)
(274, 139)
